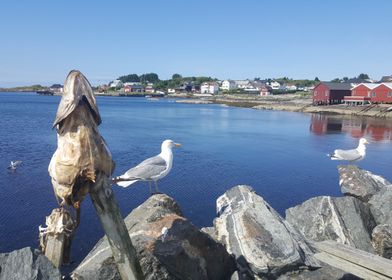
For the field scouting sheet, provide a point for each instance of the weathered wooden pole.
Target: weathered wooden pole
(56, 237)
(82, 164)
(109, 213)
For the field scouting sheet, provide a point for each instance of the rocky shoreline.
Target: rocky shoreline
(292, 103)
(248, 238)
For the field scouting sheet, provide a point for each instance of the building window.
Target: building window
(374, 94)
(390, 94)
(326, 93)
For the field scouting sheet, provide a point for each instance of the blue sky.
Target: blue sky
(41, 41)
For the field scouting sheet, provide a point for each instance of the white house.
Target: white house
(275, 85)
(209, 87)
(56, 88)
(116, 84)
(249, 86)
(228, 85)
(290, 87)
(243, 84)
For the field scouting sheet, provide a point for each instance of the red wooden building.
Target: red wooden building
(382, 93)
(374, 93)
(326, 93)
(360, 94)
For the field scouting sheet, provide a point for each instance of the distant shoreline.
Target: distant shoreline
(284, 102)
(294, 103)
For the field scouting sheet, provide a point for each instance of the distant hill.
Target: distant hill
(24, 88)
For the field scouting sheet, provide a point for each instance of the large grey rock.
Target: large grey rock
(211, 232)
(184, 252)
(382, 240)
(262, 241)
(27, 264)
(326, 272)
(381, 206)
(344, 219)
(360, 183)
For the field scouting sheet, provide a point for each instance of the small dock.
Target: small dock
(360, 263)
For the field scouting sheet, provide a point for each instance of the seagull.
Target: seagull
(14, 164)
(164, 234)
(151, 169)
(351, 155)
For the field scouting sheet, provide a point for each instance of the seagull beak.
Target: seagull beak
(366, 142)
(177, 145)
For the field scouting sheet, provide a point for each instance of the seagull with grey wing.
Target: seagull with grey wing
(351, 155)
(14, 164)
(151, 169)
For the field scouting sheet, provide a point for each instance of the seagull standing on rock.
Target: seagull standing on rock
(351, 155)
(151, 169)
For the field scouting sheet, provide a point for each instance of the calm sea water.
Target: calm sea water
(282, 155)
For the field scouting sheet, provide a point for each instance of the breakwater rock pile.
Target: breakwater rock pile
(248, 239)
(27, 263)
(167, 244)
(361, 219)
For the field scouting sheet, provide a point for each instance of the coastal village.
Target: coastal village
(355, 91)
(211, 87)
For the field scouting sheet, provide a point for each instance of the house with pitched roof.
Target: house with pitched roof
(209, 87)
(382, 93)
(370, 93)
(327, 93)
(228, 85)
(360, 94)
(386, 79)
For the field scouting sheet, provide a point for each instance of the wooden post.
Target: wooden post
(109, 213)
(56, 238)
(55, 248)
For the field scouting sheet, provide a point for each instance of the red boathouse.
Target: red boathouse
(326, 93)
(360, 94)
(382, 93)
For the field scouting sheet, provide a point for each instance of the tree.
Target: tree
(161, 85)
(149, 78)
(176, 76)
(131, 78)
(200, 80)
(336, 80)
(363, 76)
(345, 79)
(316, 79)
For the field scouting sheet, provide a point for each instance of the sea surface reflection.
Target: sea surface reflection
(357, 127)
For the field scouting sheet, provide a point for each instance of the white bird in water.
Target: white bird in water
(14, 164)
(151, 169)
(351, 155)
